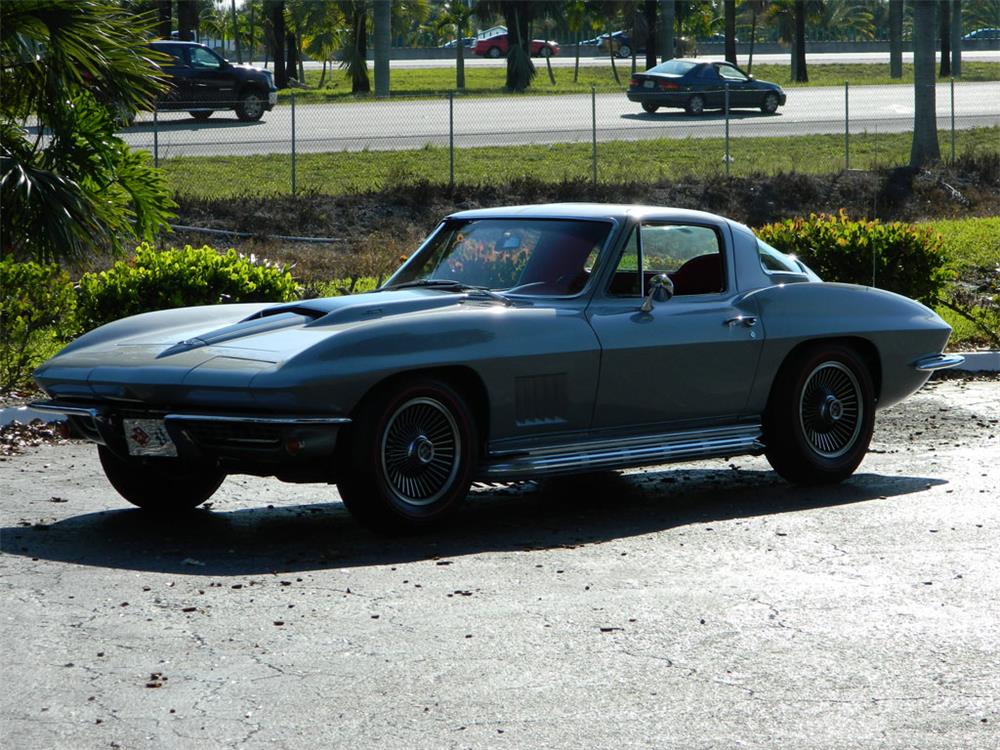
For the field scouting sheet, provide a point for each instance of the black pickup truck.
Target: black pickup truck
(203, 82)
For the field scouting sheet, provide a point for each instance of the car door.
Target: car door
(178, 69)
(213, 81)
(689, 360)
(741, 93)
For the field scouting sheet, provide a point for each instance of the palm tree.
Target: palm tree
(756, 8)
(455, 16)
(67, 67)
(354, 54)
(896, 38)
(925, 139)
(956, 39)
(517, 18)
(945, 28)
(382, 22)
(729, 10)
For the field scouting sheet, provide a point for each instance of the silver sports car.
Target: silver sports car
(515, 343)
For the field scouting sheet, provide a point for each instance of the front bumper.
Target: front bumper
(267, 438)
(938, 362)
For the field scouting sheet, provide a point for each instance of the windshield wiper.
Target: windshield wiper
(451, 285)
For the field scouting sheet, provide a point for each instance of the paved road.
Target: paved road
(704, 606)
(400, 124)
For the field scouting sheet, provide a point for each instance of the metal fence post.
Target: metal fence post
(156, 139)
(293, 143)
(727, 128)
(593, 132)
(953, 119)
(847, 126)
(451, 139)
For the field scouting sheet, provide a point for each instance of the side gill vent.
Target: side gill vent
(540, 400)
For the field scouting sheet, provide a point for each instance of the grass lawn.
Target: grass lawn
(970, 242)
(340, 172)
(479, 81)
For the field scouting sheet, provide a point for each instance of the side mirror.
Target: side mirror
(661, 289)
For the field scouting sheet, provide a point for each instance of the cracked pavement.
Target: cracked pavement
(705, 605)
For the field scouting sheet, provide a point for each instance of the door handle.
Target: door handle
(748, 320)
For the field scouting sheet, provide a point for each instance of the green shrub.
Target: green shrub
(155, 280)
(36, 318)
(905, 259)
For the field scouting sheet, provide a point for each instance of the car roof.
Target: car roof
(588, 211)
(173, 43)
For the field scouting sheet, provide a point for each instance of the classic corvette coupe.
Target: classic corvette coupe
(515, 343)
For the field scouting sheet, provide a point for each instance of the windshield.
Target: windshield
(530, 256)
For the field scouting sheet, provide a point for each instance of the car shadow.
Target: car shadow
(215, 122)
(557, 513)
(680, 115)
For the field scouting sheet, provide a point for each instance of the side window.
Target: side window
(203, 59)
(730, 73)
(773, 260)
(690, 255)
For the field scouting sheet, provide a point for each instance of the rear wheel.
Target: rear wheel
(409, 461)
(651, 108)
(820, 416)
(695, 105)
(770, 104)
(624, 51)
(493, 52)
(201, 115)
(545, 52)
(250, 107)
(160, 484)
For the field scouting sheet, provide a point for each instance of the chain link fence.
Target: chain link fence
(350, 146)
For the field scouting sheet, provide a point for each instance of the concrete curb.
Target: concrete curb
(980, 362)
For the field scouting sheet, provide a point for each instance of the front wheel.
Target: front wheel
(160, 484)
(409, 461)
(651, 108)
(545, 52)
(493, 52)
(770, 104)
(820, 416)
(624, 51)
(695, 105)
(250, 107)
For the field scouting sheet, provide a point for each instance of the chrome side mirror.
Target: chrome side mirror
(661, 288)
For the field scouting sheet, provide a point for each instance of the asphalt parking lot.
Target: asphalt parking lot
(695, 606)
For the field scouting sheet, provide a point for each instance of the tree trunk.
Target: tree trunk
(520, 69)
(730, 22)
(383, 35)
(956, 39)
(634, 37)
(291, 57)
(945, 29)
(165, 21)
(276, 42)
(896, 38)
(236, 36)
(611, 51)
(753, 39)
(187, 19)
(666, 29)
(925, 146)
(800, 73)
(359, 39)
(649, 10)
(576, 63)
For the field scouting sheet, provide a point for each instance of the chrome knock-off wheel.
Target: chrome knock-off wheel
(421, 445)
(831, 409)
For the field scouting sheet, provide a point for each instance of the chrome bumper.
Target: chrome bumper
(938, 362)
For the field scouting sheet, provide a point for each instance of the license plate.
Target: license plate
(649, 84)
(148, 437)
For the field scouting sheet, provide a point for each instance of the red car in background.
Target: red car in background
(496, 45)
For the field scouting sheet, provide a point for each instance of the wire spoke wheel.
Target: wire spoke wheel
(831, 409)
(420, 451)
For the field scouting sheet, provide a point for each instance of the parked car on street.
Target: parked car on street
(515, 343)
(697, 85)
(494, 43)
(987, 33)
(618, 42)
(203, 82)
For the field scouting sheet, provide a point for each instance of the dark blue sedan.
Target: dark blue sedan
(697, 85)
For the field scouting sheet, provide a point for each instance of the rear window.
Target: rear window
(774, 261)
(672, 67)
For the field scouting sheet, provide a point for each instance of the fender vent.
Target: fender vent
(540, 399)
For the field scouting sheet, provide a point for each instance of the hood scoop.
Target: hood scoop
(259, 323)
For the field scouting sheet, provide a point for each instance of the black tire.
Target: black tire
(695, 105)
(624, 51)
(493, 52)
(160, 484)
(201, 115)
(545, 52)
(250, 107)
(820, 415)
(769, 105)
(651, 108)
(410, 457)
